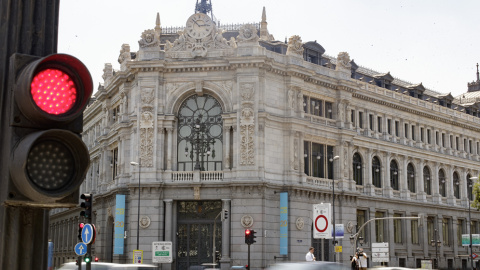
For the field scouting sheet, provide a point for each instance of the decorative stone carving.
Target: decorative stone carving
(145, 222)
(350, 227)
(247, 33)
(247, 221)
(300, 223)
(150, 38)
(146, 138)
(147, 95)
(300, 100)
(291, 99)
(196, 193)
(295, 153)
(107, 72)
(109, 212)
(124, 54)
(295, 46)
(343, 61)
(247, 125)
(187, 46)
(226, 85)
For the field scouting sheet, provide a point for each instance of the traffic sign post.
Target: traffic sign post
(380, 252)
(87, 234)
(321, 221)
(162, 252)
(80, 249)
(138, 256)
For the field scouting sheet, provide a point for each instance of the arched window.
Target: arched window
(357, 169)
(376, 172)
(200, 134)
(456, 185)
(411, 177)
(441, 183)
(469, 187)
(427, 180)
(394, 175)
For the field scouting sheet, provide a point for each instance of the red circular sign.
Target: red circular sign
(326, 223)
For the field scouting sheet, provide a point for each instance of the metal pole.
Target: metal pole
(470, 230)
(138, 225)
(436, 248)
(248, 261)
(333, 204)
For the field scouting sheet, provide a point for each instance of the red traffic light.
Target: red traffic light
(59, 87)
(247, 232)
(80, 225)
(96, 259)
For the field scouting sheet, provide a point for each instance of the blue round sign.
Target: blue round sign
(81, 249)
(87, 234)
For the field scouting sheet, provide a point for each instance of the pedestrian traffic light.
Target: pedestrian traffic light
(80, 228)
(87, 204)
(87, 258)
(224, 214)
(46, 97)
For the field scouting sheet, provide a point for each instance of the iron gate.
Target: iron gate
(194, 234)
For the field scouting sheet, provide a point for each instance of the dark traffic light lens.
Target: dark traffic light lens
(53, 91)
(50, 165)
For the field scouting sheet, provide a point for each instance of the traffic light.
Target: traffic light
(252, 236)
(80, 228)
(44, 114)
(87, 204)
(224, 214)
(87, 258)
(96, 259)
(248, 237)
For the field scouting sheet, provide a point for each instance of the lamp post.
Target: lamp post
(333, 206)
(436, 243)
(133, 163)
(470, 185)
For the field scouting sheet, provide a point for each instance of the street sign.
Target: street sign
(87, 234)
(138, 256)
(80, 249)
(474, 256)
(162, 252)
(338, 248)
(380, 252)
(321, 221)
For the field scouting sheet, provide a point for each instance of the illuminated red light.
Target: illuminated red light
(53, 91)
(247, 232)
(81, 225)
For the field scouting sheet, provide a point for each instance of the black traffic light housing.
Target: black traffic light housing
(250, 237)
(87, 204)
(80, 228)
(47, 160)
(224, 214)
(253, 236)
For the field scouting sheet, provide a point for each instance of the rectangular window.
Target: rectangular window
(436, 138)
(389, 126)
(457, 143)
(316, 107)
(397, 228)
(379, 232)
(451, 141)
(413, 132)
(470, 148)
(328, 110)
(316, 158)
(114, 163)
(465, 145)
(306, 157)
(429, 136)
(305, 104)
(430, 228)
(360, 119)
(446, 231)
(379, 124)
(414, 234)
(361, 217)
(422, 135)
(397, 133)
(459, 231)
(405, 131)
(443, 139)
(370, 121)
(352, 117)
(473, 227)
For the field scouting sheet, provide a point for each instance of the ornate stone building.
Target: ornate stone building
(226, 117)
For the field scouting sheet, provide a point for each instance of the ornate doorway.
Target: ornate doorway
(194, 235)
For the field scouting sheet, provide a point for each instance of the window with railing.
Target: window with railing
(317, 160)
(357, 169)
(376, 172)
(318, 107)
(394, 175)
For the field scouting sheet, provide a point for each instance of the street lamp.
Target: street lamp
(333, 206)
(436, 243)
(133, 163)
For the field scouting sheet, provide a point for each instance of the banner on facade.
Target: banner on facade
(466, 240)
(284, 223)
(119, 225)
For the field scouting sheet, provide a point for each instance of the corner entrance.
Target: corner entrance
(194, 235)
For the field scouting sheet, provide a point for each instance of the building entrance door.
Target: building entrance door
(194, 235)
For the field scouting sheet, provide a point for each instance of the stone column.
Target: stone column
(391, 235)
(369, 188)
(387, 185)
(226, 147)
(236, 147)
(406, 233)
(419, 181)
(454, 232)
(169, 148)
(437, 198)
(169, 234)
(403, 177)
(449, 185)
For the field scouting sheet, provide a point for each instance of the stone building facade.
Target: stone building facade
(230, 118)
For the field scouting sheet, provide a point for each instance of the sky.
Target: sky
(435, 42)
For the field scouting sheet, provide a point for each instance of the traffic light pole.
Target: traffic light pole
(248, 260)
(27, 27)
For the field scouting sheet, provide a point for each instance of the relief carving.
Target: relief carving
(247, 125)
(147, 96)
(146, 139)
(295, 46)
(247, 33)
(150, 38)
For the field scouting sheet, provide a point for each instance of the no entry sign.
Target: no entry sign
(322, 217)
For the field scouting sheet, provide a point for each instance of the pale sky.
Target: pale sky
(436, 42)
